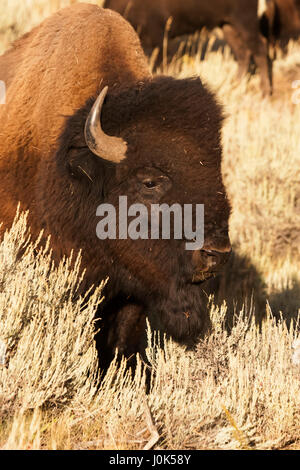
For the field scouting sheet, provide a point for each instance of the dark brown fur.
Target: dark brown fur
(173, 129)
(238, 18)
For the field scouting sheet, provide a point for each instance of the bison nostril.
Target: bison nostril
(218, 250)
(210, 259)
(210, 253)
(224, 249)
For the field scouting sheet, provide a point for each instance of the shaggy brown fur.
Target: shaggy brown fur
(49, 74)
(173, 131)
(238, 18)
(281, 22)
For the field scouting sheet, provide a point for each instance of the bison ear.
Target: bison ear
(78, 165)
(84, 168)
(107, 147)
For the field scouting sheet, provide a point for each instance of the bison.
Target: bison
(85, 123)
(281, 22)
(238, 19)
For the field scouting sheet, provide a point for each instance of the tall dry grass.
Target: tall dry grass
(240, 388)
(40, 306)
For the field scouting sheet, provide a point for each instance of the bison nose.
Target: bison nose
(209, 260)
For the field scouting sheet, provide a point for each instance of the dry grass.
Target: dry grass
(240, 388)
(20, 16)
(40, 305)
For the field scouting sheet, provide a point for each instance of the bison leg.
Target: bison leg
(264, 63)
(241, 52)
(123, 328)
(246, 44)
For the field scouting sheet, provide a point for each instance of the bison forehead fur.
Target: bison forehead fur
(173, 131)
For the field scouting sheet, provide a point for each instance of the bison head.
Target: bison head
(158, 142)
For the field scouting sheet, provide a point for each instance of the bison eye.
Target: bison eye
(149, 184)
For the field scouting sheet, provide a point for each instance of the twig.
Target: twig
(151, 426)
(238, 434)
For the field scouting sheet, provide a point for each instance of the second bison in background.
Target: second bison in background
(238, 19)
(281, 22)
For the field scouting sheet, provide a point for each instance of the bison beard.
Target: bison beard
(182, 315)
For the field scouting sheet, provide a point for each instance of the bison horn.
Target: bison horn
(107, 147)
